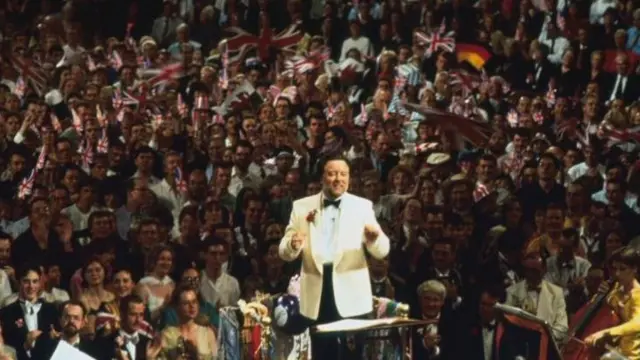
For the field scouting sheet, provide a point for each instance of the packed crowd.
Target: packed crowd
(151, 152)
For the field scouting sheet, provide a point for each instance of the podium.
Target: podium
(522, 334)
(401, 324)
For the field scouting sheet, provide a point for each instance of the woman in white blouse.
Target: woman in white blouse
(157, 287)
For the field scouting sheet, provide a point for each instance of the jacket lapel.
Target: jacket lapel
(315, 229)
(544, 302)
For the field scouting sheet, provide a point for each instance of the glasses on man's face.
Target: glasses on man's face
(191, 279)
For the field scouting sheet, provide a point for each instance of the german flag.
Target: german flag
(475, 55)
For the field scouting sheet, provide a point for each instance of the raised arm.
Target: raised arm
(291, 244)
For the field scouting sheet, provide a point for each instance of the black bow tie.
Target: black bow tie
(490, 326)
(327, 202)
(567, 265)
(534, 288)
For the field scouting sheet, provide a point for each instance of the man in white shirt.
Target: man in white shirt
(356, 41)
(216, 286)
(555, 42)
(241, 177)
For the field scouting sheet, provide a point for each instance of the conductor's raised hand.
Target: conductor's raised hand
(371, 233)
(297, 241)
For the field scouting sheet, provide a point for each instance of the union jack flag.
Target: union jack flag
(103, 143)
(42, 158)
(26, 185)
(217, 119)
(115, 60)
(420, 148)
(21, 87)
(538, 117)
(55, 122)
(77, 121)
(512, 118)
(171, 71)
(87, 156)
(183, 109)
(223, 81)
(361, 119)
(302, 64)
(466, 81)
(108, 320)
(438, 40)
(480, 192)
(181, 184)
(31, 72)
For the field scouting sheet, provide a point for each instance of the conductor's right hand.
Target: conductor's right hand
(604, 287)
(297, 241)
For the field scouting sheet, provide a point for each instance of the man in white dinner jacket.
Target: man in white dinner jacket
(331, 230)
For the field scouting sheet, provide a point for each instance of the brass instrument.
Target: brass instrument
(186, 350)
(394, 308)
(259, 313)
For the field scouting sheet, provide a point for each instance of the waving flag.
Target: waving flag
(475, 55)
(465, 130)
(26, 185)
(243, 41)
(42, 158)
(438, 40)
(181, 184)
(103, 143)
(31, 72)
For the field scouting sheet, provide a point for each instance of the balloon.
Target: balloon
(287, 317)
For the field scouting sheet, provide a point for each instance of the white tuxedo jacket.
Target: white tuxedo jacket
(551, 305)
(351, 283)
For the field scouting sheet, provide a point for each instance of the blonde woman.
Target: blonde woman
(192, 338)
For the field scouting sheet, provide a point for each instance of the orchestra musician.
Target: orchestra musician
(624, 298)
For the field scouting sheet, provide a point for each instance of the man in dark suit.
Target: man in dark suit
(73, 319)
(131, 341)
(479, 335)
(25, 320)
(540, 71)
(626, 83)
(438, 338)
(381, 156)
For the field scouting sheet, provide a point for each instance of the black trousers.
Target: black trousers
(334, 346)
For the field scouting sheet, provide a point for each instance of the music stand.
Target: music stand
(353, 326)
(518, 324)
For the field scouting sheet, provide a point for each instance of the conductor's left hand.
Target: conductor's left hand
(596, 337)
(371, 233)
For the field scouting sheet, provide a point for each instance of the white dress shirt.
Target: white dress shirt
(171, 198)
(223, 291)
(488, 334)
(79, 219)
(130, 342)
(238, 181)
(619, 87)
(30, 311)
(557, 47)
(597, 10)
(578, 170)
(328, 227)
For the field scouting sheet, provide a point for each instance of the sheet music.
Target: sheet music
(354, 324)
(64, 351)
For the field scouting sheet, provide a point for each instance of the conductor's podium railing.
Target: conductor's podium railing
(246, 332)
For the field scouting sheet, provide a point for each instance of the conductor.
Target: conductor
(331, 230)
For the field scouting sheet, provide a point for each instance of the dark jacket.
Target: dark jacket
(14, 326)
